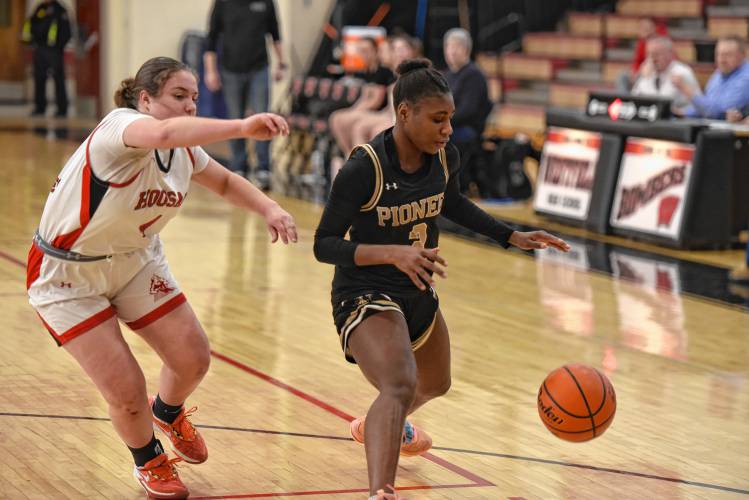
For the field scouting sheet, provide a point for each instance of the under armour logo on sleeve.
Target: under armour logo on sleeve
(389, 186)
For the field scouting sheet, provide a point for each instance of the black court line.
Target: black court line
(440, 448)
(597, 469)
(61, 417)
(277, 433)
(201, 426)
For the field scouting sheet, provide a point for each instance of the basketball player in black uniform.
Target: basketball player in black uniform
(389, 195)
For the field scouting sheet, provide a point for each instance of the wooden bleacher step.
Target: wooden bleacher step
(728, 10)
(619, 54)
(527, 96)
(573, 75)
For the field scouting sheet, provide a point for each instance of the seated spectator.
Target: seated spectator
(472, 104)
(469, 87)
(377, 78)
(658, 70)
(727, 89)
(648, 28)
(371, 123)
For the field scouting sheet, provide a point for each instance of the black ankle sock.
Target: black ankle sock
(150, 451)
(165, 412)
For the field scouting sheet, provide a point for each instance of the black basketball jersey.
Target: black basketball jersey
(379, 204)
(402, 209)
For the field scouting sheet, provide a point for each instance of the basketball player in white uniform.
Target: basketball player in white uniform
(96, 257)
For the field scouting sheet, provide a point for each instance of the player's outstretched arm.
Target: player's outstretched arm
(187, 131)
(537, 240)
(463, 211)
(240, 192)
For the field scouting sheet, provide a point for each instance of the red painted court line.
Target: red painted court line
(284, 494)
(477, 480)
(330, 492)
(12, 259)
(286, 387)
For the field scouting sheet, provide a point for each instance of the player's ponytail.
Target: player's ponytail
(151, 77)
(418, 79)
(124, 97)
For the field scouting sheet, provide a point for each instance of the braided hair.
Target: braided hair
(417, 79)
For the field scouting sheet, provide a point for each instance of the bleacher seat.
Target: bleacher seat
(660, 8)
(586, 24)
(495, 89)
(612, 69)
(586, 73)
(527, 67)
(728, 26)
(310, 86)
(619, 26)
(685, 51)
(490, 64)
(536, 94)
(563, 46)
(566, 95)
(508, 119)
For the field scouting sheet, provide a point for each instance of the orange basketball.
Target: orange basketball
(576, 402)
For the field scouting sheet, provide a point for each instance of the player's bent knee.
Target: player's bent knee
(130, 398)
(193, 358)
(194, 364)
(201, 359)
(203, 362)
(402, 390)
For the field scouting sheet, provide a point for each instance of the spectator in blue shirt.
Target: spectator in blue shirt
(727, 89)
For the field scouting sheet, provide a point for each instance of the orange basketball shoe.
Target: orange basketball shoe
(415, 441)
(185, 439)
(382, 495)
(160, 479)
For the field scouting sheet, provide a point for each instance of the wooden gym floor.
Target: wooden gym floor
(275, 405)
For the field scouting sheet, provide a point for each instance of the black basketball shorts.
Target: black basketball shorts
(419, 311)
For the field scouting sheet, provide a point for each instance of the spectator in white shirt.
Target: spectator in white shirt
(658, 71)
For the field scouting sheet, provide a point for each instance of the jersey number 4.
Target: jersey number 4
(419, 234)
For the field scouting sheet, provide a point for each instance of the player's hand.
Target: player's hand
(416, 262)
(537, 240)
(280, 224)
(279, 73)
(264, 126)
(212, 81)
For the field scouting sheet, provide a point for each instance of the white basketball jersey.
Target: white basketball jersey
(111, 198)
